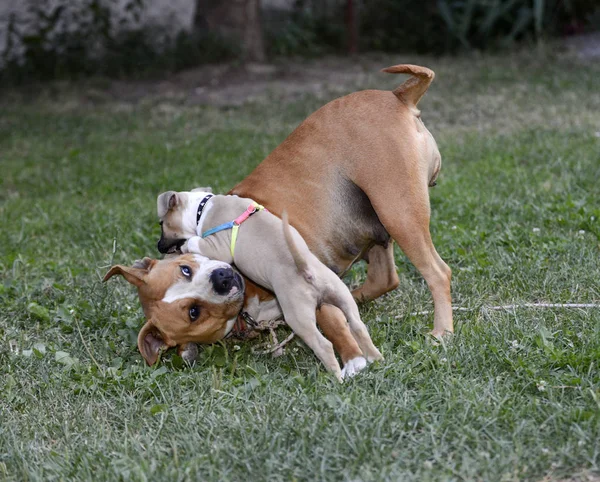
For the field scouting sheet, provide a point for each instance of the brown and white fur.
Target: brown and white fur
(273, 255)
(184, 300)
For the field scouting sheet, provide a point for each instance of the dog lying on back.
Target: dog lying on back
(270, 253)
(190, 299)
(185, 299)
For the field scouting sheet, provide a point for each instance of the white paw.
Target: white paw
(190, 246)
(352, 367)
(189, 352)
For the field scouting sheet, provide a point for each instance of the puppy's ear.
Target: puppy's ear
(136, 275)
(150, 343)
(202, 189)
(166, 201)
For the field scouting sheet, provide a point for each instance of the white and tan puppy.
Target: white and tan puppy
(271, 256)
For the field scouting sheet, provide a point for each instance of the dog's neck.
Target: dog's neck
(201, 206)
(190, 222)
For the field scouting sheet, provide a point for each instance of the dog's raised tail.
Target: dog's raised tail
(411, 91)
(299, 260)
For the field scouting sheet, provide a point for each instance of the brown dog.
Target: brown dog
(353, 174)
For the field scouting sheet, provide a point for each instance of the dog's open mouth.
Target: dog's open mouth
(170, 248)
(174, 249)
(237, 288)
(239, 281)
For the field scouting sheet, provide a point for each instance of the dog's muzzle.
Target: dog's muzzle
(169, 245)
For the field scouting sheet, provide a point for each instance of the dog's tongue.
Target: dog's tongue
(240, 328)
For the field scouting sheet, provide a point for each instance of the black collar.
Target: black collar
(201, 207)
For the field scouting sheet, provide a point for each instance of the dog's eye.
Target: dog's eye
(194, 312)
(186, 271)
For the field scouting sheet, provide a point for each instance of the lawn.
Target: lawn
(514, 395)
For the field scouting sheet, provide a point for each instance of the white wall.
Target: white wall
(173, 14)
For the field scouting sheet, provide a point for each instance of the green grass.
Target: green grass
(515, 395)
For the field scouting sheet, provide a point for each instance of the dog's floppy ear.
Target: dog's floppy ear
(149, 343)
(136, 275)
(203, 189)
(166, 201)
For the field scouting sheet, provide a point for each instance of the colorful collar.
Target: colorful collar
(235, 224)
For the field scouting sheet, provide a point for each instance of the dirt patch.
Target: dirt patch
(287, 79)
(583, 477)
(495, 93)
(234, 85)
(585, 46)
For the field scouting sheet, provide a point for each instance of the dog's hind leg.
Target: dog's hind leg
(407, 222)
(300, 317)
(334, 326)
(381, 274)
(337, 293)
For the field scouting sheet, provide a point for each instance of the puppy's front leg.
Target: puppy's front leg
(192, 245)
(207, 247)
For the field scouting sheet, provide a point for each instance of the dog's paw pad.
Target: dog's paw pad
(352, 367)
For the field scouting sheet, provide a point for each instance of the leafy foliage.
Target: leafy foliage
(304, 31)
(481, 23)
(448, 25)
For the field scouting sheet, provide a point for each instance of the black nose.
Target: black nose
(223, 280)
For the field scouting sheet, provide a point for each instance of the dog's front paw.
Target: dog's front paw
(191, 245)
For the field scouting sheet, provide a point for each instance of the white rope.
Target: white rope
(275, 348)
(514, 307)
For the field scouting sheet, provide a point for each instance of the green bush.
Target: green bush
(427, 26)
(303, 31)
(485, 23)
(402, 25)
(313, 27)
(448, 25)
